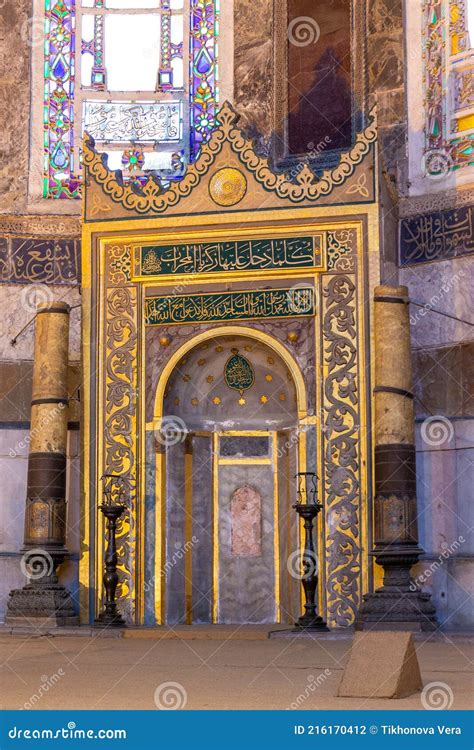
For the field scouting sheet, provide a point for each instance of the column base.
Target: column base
(397, 610)
(398, 604)
(313, 624)
(109, 621)
(42, 605)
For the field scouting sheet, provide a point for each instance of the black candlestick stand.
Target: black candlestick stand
(308, 508)
(112, 510)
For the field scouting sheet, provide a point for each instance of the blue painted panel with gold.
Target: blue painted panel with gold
(26, 260)
(437, 236)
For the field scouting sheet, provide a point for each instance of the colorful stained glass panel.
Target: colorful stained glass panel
(143, 54)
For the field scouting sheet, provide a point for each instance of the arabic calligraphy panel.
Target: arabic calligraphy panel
(133, 121)
(242, 255)
(436, 236)
(217, 306)
(45, 261)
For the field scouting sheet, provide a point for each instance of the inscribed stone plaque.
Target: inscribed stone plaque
(246, 525)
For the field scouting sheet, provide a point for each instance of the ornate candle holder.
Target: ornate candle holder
(307, 507)
(112, 508)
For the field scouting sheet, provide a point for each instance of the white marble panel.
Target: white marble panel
(465, 498)
(11, 577)
(14, 443)
(13, 474)
(448, 286)
(437, 498)
(17, 307)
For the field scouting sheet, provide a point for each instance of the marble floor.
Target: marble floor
(250, 671)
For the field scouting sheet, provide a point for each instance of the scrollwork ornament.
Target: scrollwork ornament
(341, 458)
(119, 264)
(341, 250)
(120, 426)
(153, 197)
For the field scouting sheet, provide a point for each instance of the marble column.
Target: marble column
(43, 598)
(398, 604)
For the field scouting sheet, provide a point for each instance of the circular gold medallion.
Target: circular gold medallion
(227, 186)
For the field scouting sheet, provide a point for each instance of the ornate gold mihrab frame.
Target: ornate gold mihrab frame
(334, 434)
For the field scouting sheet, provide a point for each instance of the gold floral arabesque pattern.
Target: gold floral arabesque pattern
(341, 250)
(342, 487)
(119, 264)
(152, 197)
(120, 428)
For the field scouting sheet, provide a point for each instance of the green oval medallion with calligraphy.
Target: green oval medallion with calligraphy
(239, 373)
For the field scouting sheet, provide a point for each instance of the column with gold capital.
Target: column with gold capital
(398, 604)
(43, 598)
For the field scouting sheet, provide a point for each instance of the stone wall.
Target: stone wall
(386, 69)
(436, 264)
(14, 104)
(254, 66)
(443, 359)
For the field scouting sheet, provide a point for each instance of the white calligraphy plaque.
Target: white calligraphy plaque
(133, 121)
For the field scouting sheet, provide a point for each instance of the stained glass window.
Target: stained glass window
(140, 76)
(449, 92)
